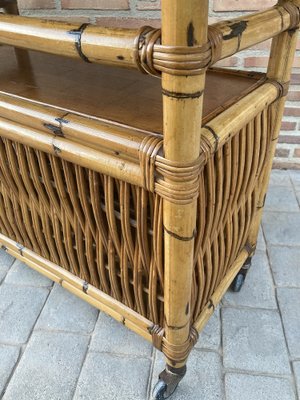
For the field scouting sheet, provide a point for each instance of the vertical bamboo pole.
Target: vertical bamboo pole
(279, 69)
(11, 7)
(184, 23)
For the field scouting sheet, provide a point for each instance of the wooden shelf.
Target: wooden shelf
(115, 94)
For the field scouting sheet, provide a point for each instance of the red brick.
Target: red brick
(149, 5)
(297, 153)
(36, 4)
(294, 96)
(295, 78)
(292, 111)
(289, 139)
(96, 4)
(286, 165)
(115, 22)
(263, 62)
(256, 61)
(288, 126)
(245, 5)
(282, 153)
(228, 62)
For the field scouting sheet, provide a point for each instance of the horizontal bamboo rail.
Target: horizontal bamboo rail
(113, 149)
(99, 134)
(220, 129)
(77, 286)
(246, 31)
(103, 146)
(90, 43)
(141, 48)
(84, 156)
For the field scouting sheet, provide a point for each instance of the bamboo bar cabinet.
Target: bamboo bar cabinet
(133, 173)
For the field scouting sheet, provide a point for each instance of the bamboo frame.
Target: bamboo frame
(237, 116)
(76, 137)
(68, 135)
(279, 69)
(152, 229)
(132, 320)
(182, 132)
(124, 47)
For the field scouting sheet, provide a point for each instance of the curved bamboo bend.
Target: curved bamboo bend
(142, 48)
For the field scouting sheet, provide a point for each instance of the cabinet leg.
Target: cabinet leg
(168, 381)
(239, 280)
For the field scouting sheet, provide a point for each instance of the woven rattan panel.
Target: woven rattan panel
(110, 233)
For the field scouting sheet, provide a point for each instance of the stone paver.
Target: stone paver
(66, 312)
(247, 387)
(285, 263)
(253, 340)
(20, 274)
(295, 178)
(19, 310)
(203, 379)
(261, 243)
(49, 368)
(281, 198)
(289, 303)
(282, 228)
(109, 334)
(296, 366)
(8, 358)
(280, 178)
(210, 337)
(258, 290)
(109, 376)
(6, 262)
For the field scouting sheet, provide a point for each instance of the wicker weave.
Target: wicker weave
(110, 233)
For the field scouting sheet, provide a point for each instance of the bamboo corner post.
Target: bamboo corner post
(184, 25)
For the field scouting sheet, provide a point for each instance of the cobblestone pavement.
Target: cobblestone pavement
(53, 346)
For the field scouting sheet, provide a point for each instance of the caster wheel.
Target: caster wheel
(238, 283)
(168, 382)
(160, 391)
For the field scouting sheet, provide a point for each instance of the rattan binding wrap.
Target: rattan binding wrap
(153, 58)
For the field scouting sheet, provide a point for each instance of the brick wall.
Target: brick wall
(133, 13)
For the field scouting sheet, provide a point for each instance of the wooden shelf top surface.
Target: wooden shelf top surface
(115, 94)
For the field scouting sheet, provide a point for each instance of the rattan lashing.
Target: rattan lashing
(150, 227)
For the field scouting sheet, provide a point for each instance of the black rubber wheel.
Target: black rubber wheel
(159, 390)
(238, 283)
